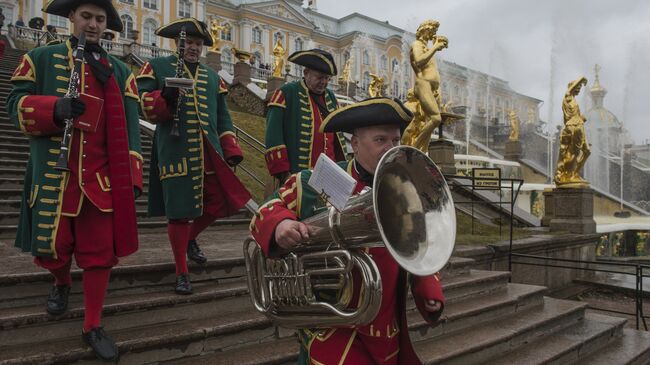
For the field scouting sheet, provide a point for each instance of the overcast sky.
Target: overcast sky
(539, 46)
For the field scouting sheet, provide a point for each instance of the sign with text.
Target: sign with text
(486, 178)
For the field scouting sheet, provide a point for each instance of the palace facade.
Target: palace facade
(374, 46)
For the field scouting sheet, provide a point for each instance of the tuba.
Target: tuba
(409, 211)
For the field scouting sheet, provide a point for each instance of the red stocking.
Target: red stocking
(200, 224)
(95, 282)
(62, 274)
(178, 232)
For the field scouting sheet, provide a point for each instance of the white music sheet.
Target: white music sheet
(331, 182)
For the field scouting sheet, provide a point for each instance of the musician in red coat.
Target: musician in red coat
(376, 125)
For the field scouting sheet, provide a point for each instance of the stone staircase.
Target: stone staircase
(486, 320)
(14, 152)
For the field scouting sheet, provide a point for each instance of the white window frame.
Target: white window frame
(184, 9)
(153, 38)
(150, 4)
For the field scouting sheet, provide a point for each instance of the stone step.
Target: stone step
(569, 345)
(488, 339)
(283, 351)
(20, 325)
(179, 336)
(9, 205)
(148, 226)
(630, 348)
(466, 313)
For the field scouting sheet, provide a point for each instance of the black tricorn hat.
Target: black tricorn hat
(315, 59)
(63, 8)
(193, 27)
(368, 113)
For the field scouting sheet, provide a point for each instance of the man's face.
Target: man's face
(90, 19)
(193, 48)
(316, 81)
(371, 143)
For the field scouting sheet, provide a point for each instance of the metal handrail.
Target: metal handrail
(638, 274)
(254, 143)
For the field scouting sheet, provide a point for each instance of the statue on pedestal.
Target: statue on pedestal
(215, 28)
(345, 75)
(376, 86)
(574, 148)
(278, 59)
(427, 77)
(514, 125)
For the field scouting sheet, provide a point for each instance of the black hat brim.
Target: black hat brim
(63, 8)
(315, 59)
(193, 27)
(368, 113)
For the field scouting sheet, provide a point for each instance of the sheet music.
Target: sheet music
(332, 182)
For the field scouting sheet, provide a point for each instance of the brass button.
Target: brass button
(84, 155)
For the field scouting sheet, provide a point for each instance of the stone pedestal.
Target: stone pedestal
(548, 207)
(348, 88)
(273, 84)
(441, 151)
(571, 210)
(242, 73)
(214, 60)
(513, 150)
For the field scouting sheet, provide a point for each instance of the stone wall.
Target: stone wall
(574, 247)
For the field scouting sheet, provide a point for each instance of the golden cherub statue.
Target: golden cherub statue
(345, 75)
(514, 125)
(215, 28)
(414, 128)
(574, 148)
(278, 59)
(427, 77)
(376, 86)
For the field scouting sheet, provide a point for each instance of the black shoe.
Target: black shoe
(57, 301)
(194, 252)
(183, 285)
(103, 346)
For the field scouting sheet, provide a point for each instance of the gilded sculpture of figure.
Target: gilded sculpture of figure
(376, 86)
(574, 148)
(215, 28)
(427, 77)
(345, 75)
(278, 59)
(415, 127)
(514, 125)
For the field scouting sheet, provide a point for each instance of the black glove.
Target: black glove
(234, 160)
(68, 108)
(170, 94)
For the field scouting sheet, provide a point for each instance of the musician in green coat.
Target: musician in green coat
(88, 210)
(295, 114)
(191, 182)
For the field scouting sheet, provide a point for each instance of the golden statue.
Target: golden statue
(278, 59)
(215, 28)
(514, 125)
(415, 127)
(427, 77)
(345, 75)
(376, 86)
(574, 148)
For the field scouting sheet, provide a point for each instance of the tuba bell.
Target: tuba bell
(409, 211)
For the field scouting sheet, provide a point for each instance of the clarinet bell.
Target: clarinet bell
(62, 162)
(175, 130)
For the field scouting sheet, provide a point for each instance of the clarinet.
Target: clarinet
(73, 92)
(180, 71)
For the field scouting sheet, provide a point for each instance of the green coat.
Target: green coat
(41, 77)
(176, 176)
(290, 129)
